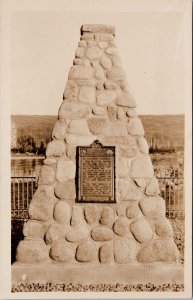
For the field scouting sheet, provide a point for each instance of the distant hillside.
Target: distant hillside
(163, 127)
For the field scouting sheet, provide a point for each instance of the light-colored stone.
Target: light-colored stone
(126, 100)
(112, 112)
(159, 250)
(87, 37)
(77, 217)
(135, 126)
(71, 152)
(78, 126)
(141, 167)
(96, 125)
(55, 232)
(111, 51)
(133, 211)
(83, 140)
(99, 73)
(121, 210)
(46, 175)
(142, 182)
(92, 43)
(82, 44)
(102, 45)
(117, 140)
(153, 207)
(55, 148)
(114, 129)
(141, 230)
(71, 89)
(110, 85)
(93, 53)
(100, 85)
(79, 52)
(99, 110)
(62, 213)
(102, 233)
(124, 86)
(128, 151)
(122, 170)
(77, 61)
(131, 112)
(80, 72)
(163, 228)
(91, 214)
(42, 204)
(106, 62)
(77, 234)
(115, 74)
(65, 190)
(86, 252)
(117, 61)
(50, 161)
(86, 82)
(121, 113)
(153, 188)
(129, 191)
(59, 130)
(98, 28)
(106, 97)
(30, 251)
(106, 255)
(106, 37)
(73, 110)
(107, 216)
(65, 170)
(87, 95)
(143, 145)
(33, 229)
(121, 226)
(125, 250)
(62, 251)
(86, 62)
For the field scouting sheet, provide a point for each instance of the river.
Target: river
(27, 166)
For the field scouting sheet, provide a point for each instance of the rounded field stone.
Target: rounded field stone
(77, 234)
(99, 110)
(159, 250)
(121, 226)
(106, 97)
(163, 228)
(106, 62)
(71, 152)
(59, 130)
(96, 125)
(65, 170)
(79, 126)
(141, 167)
(133, 211)
(106, 255)
(62, 251)
(115, 74)
(77, 217)
(129, 191)
(46, 175)
(77, 61)
(79, 140)
(135, 126)
(112, 112)
(82, 44)
(111, 51)
(55, 148)
(87, 95)
(65, 189)
(86, 252)
(153, 207)
(79, 52)
(116, 61)
(73, 110)
(131, 112)
(141, 230)
(126, 100)
(143, 145)
(62, 213)
(80, 72)
(114, 129)
(91, 214)
(153, 188)
(102, 45)
(121, 113)
(110, 85)
(122, 168)
(93, 53)
(30, 251)
(42, 204)
(71, 88)
(50, 161)
(54, 233)
(33, 229)
(125, 250)
(107, 216)
(102, 233)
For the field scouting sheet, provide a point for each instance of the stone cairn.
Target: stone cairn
(97, 105)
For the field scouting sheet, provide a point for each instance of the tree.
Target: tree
(13, 135)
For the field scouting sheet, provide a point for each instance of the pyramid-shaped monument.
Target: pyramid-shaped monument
(97, 215)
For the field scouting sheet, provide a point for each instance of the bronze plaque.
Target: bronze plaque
(96, 173)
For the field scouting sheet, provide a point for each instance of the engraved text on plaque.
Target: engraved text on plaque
(96, 173)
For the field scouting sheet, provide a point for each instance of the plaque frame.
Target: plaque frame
(80, 198)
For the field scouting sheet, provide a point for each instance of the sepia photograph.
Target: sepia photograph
(96, 118)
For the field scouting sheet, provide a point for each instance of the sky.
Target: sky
(150, 44)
